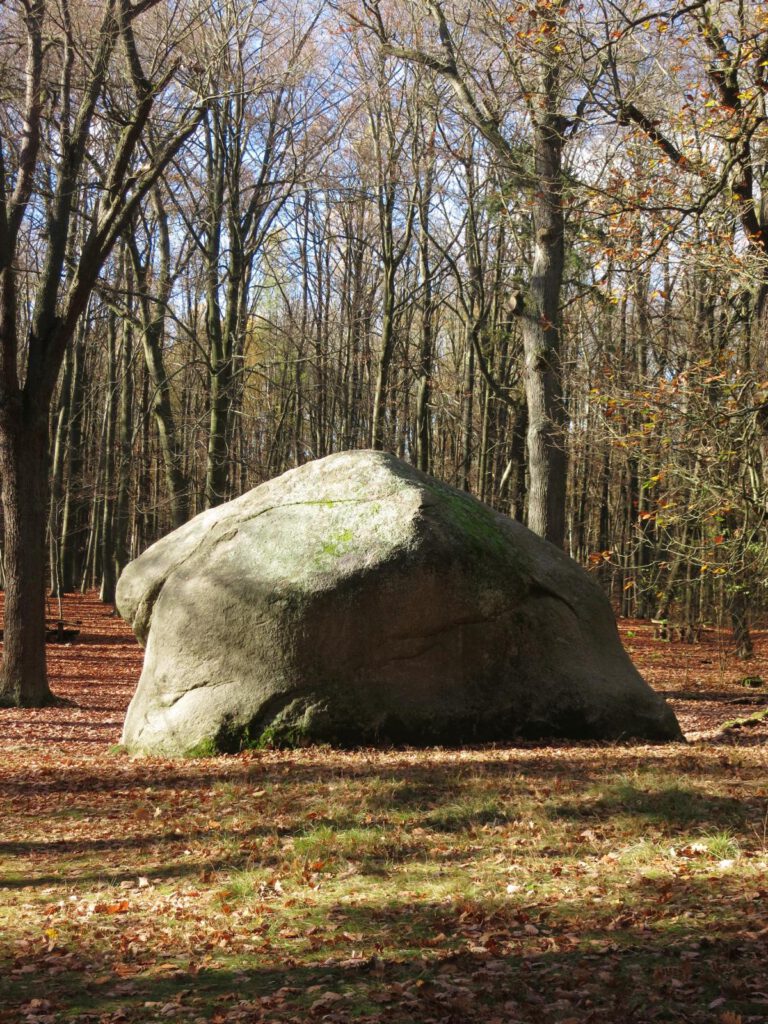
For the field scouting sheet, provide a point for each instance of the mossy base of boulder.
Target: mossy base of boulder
(300, 723)
(205, 748)
(304, 722)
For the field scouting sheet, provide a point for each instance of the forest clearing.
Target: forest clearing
(564, 883)
(513, 259)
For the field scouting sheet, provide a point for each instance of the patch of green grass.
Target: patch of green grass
(245, 884)
(640, 853)
(467, 814)
(327, 844)
(723, 845)
(672, 802)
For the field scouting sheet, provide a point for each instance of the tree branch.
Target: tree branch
(630, 114)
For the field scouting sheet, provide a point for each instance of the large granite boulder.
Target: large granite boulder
(357, 600)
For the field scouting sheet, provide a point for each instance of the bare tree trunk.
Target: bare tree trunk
(426, 340)
(541, 323)
(516, 467)
(740, 623)
(125, 430)
(468, 410)
(24, 473)
(61, 431)
(108, 576)
(73, 510)
(385, 361)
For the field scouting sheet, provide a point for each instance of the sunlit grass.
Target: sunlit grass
(272, 867)
(724, 845)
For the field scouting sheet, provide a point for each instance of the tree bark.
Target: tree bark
(468, 410)
(74, 512)
(24, 472)
(108, 576)
(426, 342)
(742, 638)
(385, 360)
(541, 323)
(63, 414)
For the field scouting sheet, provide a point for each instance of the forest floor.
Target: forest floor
(567, 883)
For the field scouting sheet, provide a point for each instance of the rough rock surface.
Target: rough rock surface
(356, 600)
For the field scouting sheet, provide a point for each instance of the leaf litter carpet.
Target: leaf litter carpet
(528, 884)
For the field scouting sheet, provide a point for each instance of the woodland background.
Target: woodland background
(334, 256)
(237, 236)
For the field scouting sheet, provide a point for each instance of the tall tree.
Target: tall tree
(539, 61)
(66, 78)
(256, 133)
